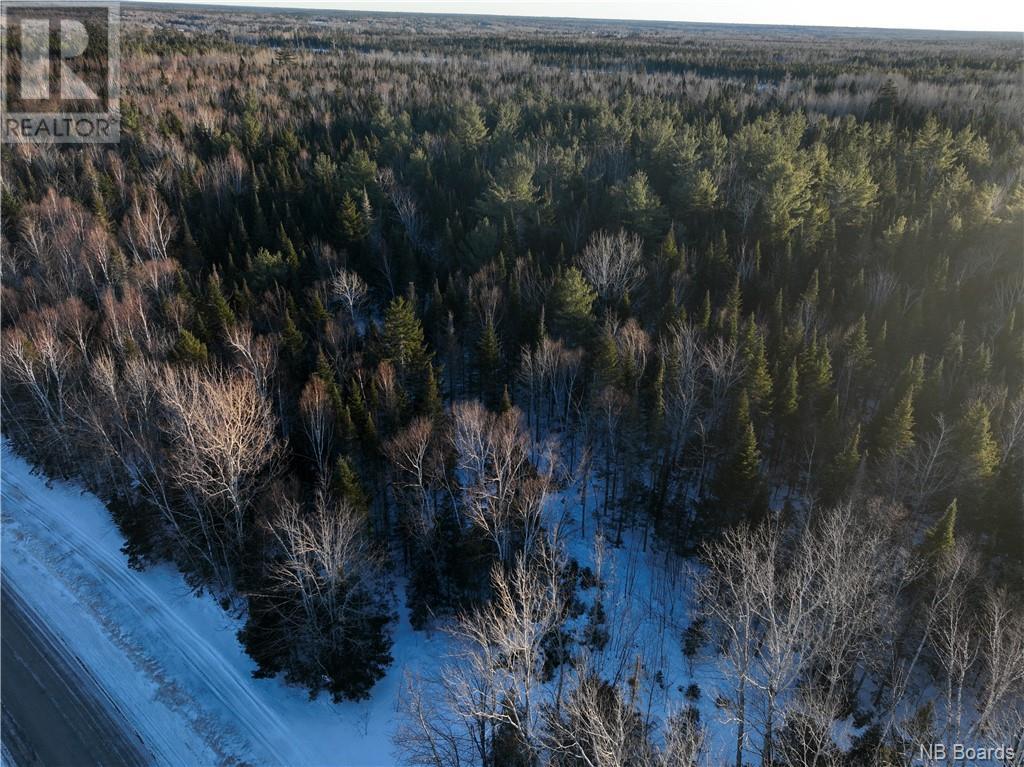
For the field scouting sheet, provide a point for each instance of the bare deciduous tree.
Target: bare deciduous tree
(501, 492)
(318, 419)
(613, 263)
(780, 608)
(597, 727)
(351, 293)
(257, 355)
(321, 581)
(221, 430)
(148, 227)
(491, 684)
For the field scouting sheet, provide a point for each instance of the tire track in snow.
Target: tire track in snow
(104, 582)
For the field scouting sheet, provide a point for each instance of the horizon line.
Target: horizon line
(302, 8)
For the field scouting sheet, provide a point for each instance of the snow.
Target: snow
(173, 661)
(171, 658)
(648, 598)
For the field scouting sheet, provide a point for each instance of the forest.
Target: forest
(358, 300)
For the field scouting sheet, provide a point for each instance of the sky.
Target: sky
(987, 15)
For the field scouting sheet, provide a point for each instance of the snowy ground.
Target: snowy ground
(171, 658)
(649, 600)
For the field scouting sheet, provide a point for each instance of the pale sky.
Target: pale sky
(994, 15)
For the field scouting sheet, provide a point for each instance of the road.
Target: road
(53, 712)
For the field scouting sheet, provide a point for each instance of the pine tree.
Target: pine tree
(403, 336)
(673, 257)
(810, 295)
(318, 310)
(731, 312)
(326, 374)
(430, 402)
(506, 401)
(976, 446)
(705, 312)
(287, 249)
(573, 299)
(1006, 507)
(933, 390)
(940, 540)
(815, 373)
(788, 401)
(291, 338)
(606, 361)
(757, 378)
(777, 317)
(189, 349)
(190, 254)
(912, 376)
(488, 364)
(881, 338)
(858, 352)
(347, 425)
(353, 225)
(361, 416)
(220, 313)
(436, 313)
(896, 434)
(738, 485)
(348, 487)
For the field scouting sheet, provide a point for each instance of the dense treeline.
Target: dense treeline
(350, 299)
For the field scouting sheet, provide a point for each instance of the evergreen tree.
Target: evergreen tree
(731, 312)
(940, 540)
(488, 364)
(858, 353)
(348, 487)
(542, 330)
(220, 313)
(353, 226)
(757, 378)
(430, 401)
(976, 446)
(815, 375)
(788, 401)
(189, 349)
(573, 299)
(292, 339)
(287, 249)
(326, 374)
(506, 401)
(362, 416)
(738, 485)
(811, 292)
(348, 426)
(319, 311)
(403, 336)
(606, 361)
(673, 257)
(705, 312)
(896, 435)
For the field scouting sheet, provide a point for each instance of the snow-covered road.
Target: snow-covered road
(171, 659)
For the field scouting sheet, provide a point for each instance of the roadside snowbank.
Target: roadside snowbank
(170, 658)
